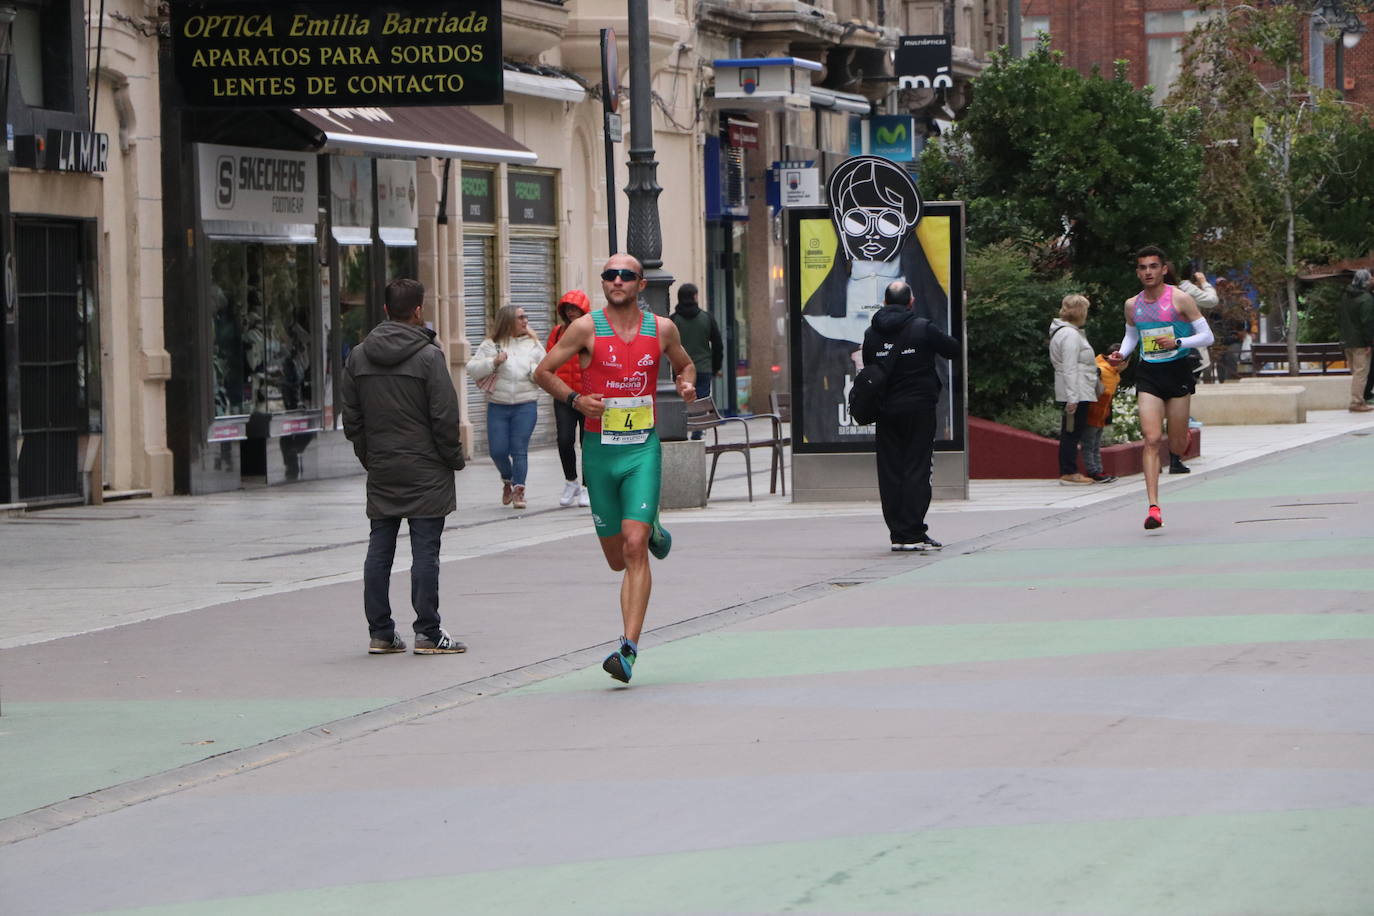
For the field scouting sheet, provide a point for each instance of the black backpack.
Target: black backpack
(866, 395)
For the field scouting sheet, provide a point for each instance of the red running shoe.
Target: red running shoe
(1154, 519)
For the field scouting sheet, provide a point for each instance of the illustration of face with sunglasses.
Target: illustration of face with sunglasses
(874, 204)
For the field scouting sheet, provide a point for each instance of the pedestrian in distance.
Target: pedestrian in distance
(1166, 323)
(1357, 333)
(1099, 415)
(569, 422)
(1076, 385)
(905, 428)
(504, 367)
(400, 411)
(1204, 294)
(700, 338)
(620, 349)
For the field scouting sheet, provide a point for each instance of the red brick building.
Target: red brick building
(1150, 33)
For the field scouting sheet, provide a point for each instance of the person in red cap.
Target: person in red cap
(572, 306)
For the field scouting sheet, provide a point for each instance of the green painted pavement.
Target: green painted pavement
(1304, 475)
(1292, 863)
(55, 751)
(730, 655)
(1195, 564)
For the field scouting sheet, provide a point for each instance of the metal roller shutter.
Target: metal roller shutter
(477, 293)
(533, 287)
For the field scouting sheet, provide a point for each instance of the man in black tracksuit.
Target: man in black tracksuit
(906, 413)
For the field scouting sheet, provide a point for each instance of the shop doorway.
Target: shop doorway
(58, 356)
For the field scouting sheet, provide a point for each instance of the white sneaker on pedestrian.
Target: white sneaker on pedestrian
(584, 498)
(570, 491)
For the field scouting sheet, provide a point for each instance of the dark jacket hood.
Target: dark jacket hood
(688, 309)
(393, 342)
(890, 319)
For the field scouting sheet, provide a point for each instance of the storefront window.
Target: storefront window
(402, 262)
(355, 279)
(261, 296)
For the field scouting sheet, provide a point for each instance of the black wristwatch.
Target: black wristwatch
(572, 398)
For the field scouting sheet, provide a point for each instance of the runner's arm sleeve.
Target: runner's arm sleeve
(1129, 341)
(1201, 337)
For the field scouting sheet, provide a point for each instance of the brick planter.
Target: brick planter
(997, 452)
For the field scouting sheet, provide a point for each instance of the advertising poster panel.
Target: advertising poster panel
(832, 298)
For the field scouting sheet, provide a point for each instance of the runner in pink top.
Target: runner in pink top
(1165, 321)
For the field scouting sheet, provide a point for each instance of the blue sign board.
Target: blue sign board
(893, 137)
(856, 135)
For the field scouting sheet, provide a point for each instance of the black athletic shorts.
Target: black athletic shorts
(1166, 381)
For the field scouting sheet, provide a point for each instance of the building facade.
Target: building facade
(1149, 34)
(202, 343)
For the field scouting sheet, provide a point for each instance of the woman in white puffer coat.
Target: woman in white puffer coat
(1075, 382)
(510, 354)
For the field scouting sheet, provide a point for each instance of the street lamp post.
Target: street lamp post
(644, 238)
(1351, 28)
(9, 488)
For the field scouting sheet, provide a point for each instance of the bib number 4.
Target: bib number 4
(627, 421)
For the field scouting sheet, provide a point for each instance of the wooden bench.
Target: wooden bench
(703, 415)
(1313, 359)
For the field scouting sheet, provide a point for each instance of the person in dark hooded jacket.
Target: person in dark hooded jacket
(700, 338)
(400, 411)
(905, 436)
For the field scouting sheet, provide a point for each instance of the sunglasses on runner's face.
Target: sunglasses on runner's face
(624, 274)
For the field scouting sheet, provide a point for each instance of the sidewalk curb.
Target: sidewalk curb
(37, 822)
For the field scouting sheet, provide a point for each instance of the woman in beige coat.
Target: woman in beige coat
(1075, 382)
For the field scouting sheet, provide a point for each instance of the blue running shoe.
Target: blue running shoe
(660, 541)
(620, 664)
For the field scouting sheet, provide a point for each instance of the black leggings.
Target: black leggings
(571, 424)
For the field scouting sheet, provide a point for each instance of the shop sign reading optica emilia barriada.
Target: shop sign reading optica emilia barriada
(337, 53)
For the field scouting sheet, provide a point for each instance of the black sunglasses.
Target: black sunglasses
(625, 274)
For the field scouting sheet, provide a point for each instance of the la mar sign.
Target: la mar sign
(337, 53)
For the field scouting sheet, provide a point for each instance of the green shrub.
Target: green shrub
(1125, 420)
(1043, 419)
(1009, 313)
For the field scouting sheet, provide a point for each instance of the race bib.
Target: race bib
(1156, 344)
(627, 421)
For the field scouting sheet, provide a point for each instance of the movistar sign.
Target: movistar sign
(893, 137)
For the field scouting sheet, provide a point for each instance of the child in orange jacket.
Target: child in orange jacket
(1099, 414)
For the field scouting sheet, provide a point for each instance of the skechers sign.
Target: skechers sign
(337, 53)
(256, 185)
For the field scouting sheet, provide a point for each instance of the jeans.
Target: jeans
(703, 391)
(1091, 444)
(509, 427)
(570, 423)
(424, 575)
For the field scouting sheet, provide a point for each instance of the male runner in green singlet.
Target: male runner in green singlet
(619, 348)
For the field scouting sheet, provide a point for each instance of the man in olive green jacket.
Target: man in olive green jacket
(1357, 333)
(400, 411)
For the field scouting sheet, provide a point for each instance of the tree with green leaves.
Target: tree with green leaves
(1281, 165)
(1083, 168)
(1064, 176)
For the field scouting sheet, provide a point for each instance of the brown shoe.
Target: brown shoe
(517, 496)
(1074, 479)
(505, 493)
(1361, 408)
